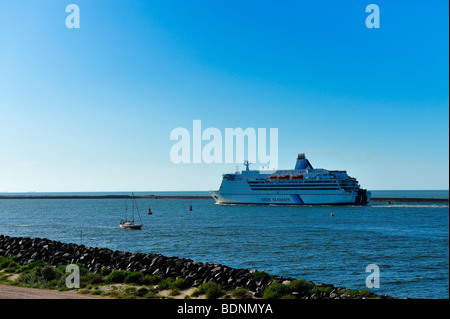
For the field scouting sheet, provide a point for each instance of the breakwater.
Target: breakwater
(376, 199)
(27, 250)
(410, 200)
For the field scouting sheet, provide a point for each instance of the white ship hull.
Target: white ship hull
(288, 199)
(303, 185)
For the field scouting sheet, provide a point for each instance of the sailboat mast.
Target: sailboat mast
(132, 204)
(137, 209)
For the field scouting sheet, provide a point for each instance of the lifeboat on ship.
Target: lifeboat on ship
(284, 176)
(300, 176)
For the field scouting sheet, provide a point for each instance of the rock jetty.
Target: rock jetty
(27, 250)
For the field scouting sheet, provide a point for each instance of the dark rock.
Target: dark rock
(216, 269)
(240, 282)
(251, 285)
(197, 283)
(259, 292)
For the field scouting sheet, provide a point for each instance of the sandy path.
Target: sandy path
(12, 292)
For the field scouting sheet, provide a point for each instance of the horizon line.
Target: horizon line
(130, 191)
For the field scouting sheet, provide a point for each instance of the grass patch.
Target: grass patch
(152, 279)
(141, 292)
(241, 293)
(295, 289)
(117, 276)
(171, 283)
(138, 278)
(41, 277)
(210, 289)
(96, 279)
(135, 278)
(105, 271)
(301, 286)
(9, 264)
(275, 291)
(29, 267)
(174, 292)
(365, 293)
(259, 275)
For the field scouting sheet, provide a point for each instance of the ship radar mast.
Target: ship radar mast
(246, 164)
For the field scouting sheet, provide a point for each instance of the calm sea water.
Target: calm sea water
(408, 241)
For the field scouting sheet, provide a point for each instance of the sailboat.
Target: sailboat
(130, 224)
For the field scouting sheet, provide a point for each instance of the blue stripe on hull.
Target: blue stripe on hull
(297, 199)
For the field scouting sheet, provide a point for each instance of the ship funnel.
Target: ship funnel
(302, 162)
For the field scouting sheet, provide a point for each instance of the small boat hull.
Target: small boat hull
(130, 226)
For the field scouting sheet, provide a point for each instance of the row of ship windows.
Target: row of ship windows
(299, 186)
(303, 185)
(292, 184)
(286, 192)
(289, 181)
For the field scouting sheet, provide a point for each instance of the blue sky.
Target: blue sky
(91, 109)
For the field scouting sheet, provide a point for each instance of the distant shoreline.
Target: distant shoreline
(405, 199)
(376, 199)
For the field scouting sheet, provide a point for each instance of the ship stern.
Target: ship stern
(363, 197)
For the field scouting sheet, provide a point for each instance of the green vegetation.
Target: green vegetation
(300, 285)
(295, 289)
(241, 293)
(9, 264)
(275, 291)
(210, 289)
(299, 288)
(127, 284)
(32, 265)
(259, 275)
(121, 284)
(41, 277)
(171, 283)
(116, 276)
(105, 271)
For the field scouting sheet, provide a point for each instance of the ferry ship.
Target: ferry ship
(304, 185)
